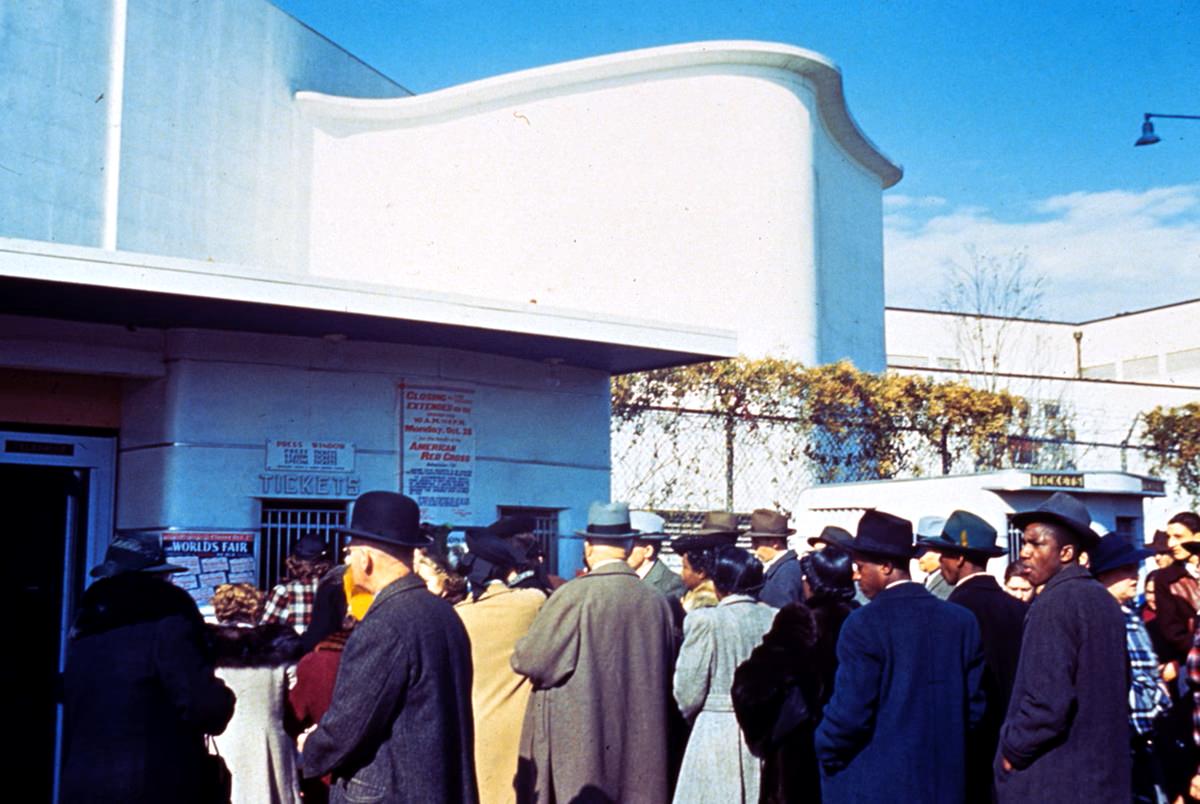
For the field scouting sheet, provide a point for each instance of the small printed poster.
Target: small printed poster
(211, 559)
(438, 428)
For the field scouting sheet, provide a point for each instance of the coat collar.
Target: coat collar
(615, 568)
(730, 600)
(790, 555)
(903, 591)
(406, 584)
(1073, 572)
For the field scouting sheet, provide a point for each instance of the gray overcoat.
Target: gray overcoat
(1067, 729)
(599, 654)
(399, 727)
(717, 766)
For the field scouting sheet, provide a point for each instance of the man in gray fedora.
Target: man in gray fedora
(1066, 736)
(644, 558)
(782, 581)
(587, 737)
(399, 727)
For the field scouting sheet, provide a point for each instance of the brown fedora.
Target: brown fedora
(718, 523)
(769, 524)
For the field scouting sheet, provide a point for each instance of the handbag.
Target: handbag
(215, 779)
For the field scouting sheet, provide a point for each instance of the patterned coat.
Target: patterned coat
(599, 654)
(499, 697)
(399, 726)
(717, 766)
(1067, 730)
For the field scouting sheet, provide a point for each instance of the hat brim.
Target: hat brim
(1133, 558)
(108, 569)
(874, 550)
(701, 541)
(759, 534)
(944, 546)
(1191, 547)
(1087, 537)
(608, 537)
(717, 532)
(366, 535)
(652, 537)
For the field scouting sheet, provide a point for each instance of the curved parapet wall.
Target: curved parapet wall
(722, 183)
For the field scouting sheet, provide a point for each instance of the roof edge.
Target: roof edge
(464, 99)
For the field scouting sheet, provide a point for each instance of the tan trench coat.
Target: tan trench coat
(600, 655)
(499, 696)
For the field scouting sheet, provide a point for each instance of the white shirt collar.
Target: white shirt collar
(897, 583)
(966, 578)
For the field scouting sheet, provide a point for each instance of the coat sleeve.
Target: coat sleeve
(1044, 693)
(693, 668)
(372, 682)
(849, 718)
(198, 696)
(549, 652)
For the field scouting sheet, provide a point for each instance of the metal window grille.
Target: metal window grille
(285, 521)
(545, 529)
(1015, 535)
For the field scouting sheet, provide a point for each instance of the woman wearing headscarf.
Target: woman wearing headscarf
(717, 765)
(781, 690)
(254, 661)
(496, 616)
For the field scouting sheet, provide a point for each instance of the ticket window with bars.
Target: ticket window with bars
(545, 529)
(284, 522)
(1015, 537)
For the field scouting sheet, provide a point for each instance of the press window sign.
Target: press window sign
(1055, 480)
(293, 454)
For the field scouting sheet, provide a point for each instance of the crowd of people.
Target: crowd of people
(405, 674)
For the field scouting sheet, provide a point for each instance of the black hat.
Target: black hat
(967, 534)
(882, 534)
(508, 526)
(702, 541)
(388, 518)
(1159, 543)
(1061, 509)
(309, 547)
(134, 552)
(483, 543)
(831, 534)
(1113, 552)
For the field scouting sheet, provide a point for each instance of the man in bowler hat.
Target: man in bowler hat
(907, 689)
(964, 545)
(1066, 735)
(399, 727)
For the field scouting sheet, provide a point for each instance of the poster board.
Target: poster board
(437, 424)
(210, 559)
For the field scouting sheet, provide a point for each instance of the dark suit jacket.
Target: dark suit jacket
(906, 692)
(1174, 614)
(400, 724)
(1001, 619)
(783, 583)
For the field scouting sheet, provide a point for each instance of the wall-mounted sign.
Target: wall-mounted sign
(437, 423)
(1055, 480)
(308, 484)
(210, 559)
(1153, 485)
(293, 454)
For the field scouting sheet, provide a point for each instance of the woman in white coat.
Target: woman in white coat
(717, 765)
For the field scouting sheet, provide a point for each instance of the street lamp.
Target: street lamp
(1148, 136)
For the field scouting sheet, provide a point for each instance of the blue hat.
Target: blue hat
(882, 534)
(967, 534)
(1114, 552)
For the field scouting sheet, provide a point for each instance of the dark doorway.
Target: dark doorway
(44, 515)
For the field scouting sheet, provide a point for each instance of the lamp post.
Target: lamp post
(1148, 136)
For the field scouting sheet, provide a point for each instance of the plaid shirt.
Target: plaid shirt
(1148, 698)
(1193, 677)
(291, 604)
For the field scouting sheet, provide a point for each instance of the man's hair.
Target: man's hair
(1189, 519)
(653, 544)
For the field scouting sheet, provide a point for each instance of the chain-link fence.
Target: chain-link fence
(695, 460)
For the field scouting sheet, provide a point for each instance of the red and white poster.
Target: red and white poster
(438, 427)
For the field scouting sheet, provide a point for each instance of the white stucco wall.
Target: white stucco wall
(677, 180)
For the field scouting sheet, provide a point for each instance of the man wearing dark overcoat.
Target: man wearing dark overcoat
(782, 579)
(965, 544)
(600, 655)
(907, 688)
(399, 727)
(1066, 736)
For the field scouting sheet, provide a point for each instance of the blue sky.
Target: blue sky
(1014, 121)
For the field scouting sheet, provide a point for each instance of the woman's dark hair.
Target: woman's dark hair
(1189, 519)
(735, 571)
(829, 573)
(701, 560)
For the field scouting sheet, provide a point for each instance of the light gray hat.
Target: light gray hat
(608, 521)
